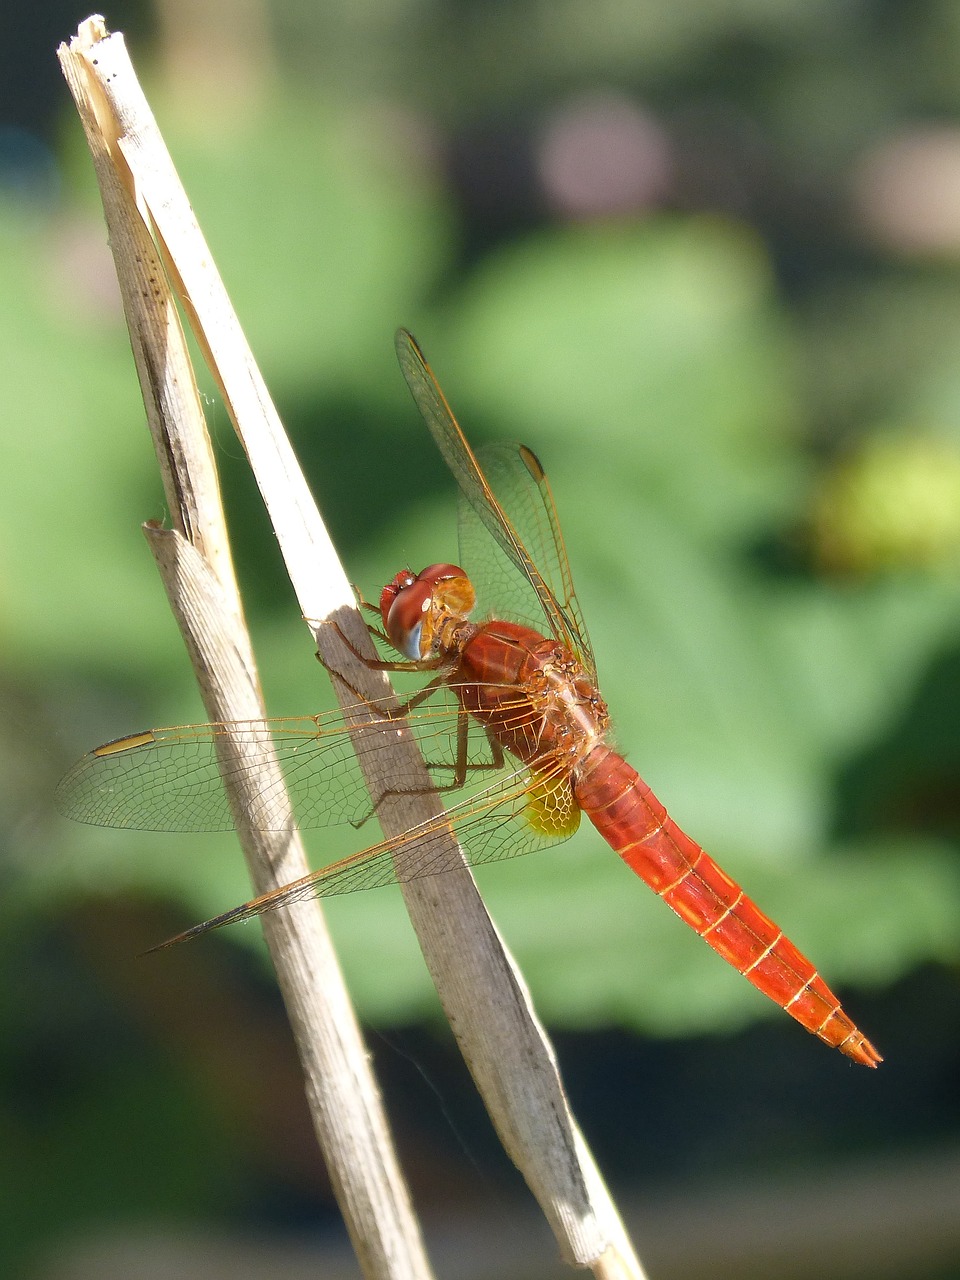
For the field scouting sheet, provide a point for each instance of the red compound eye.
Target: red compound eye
(405, 606)
(405, 578)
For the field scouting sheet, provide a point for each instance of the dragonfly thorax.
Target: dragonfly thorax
(415, 607)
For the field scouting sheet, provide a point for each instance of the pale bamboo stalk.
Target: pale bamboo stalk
(485, 999)
(194, 560)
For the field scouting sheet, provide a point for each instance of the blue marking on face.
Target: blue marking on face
(412, 647)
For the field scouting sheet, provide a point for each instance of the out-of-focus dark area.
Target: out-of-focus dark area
(705, 259)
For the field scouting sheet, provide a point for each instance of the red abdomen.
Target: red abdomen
(634, 822)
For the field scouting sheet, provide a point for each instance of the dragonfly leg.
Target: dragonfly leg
(362, 600)
(402, 709)
(376, 663)
(461, 766)
(362, 603)
(428, 690)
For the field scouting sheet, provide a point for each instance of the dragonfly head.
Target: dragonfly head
(414, 605)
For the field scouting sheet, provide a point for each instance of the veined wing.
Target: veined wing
(169, 779)
(515, 815)
(513, 503)
(516, 478)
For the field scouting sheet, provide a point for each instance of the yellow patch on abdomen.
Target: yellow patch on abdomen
(551, 809)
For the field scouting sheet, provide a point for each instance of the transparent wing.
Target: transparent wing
(515, 507)
(515, 815)
(520, 487)
(169, 779)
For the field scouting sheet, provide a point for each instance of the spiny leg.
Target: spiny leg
(380, 664)
(461, 766)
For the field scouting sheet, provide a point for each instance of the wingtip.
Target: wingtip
(403, 340)
(228, 917)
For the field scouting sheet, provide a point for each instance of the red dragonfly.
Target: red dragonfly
(514, 699)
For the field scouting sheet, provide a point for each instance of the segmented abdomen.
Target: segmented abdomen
(634, 822)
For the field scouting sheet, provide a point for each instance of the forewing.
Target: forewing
(517, 481)
(169, 779)
(550, 579)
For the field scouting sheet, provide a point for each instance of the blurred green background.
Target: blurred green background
(705, 260)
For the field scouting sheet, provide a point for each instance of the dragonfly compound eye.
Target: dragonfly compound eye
(412, 607)
(405, 578)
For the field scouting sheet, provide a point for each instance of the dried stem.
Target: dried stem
(484, 996)
(194, 560)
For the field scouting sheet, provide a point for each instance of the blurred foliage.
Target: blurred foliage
(656, 370)
(653, 369)
(896, 505)
(748, 405)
